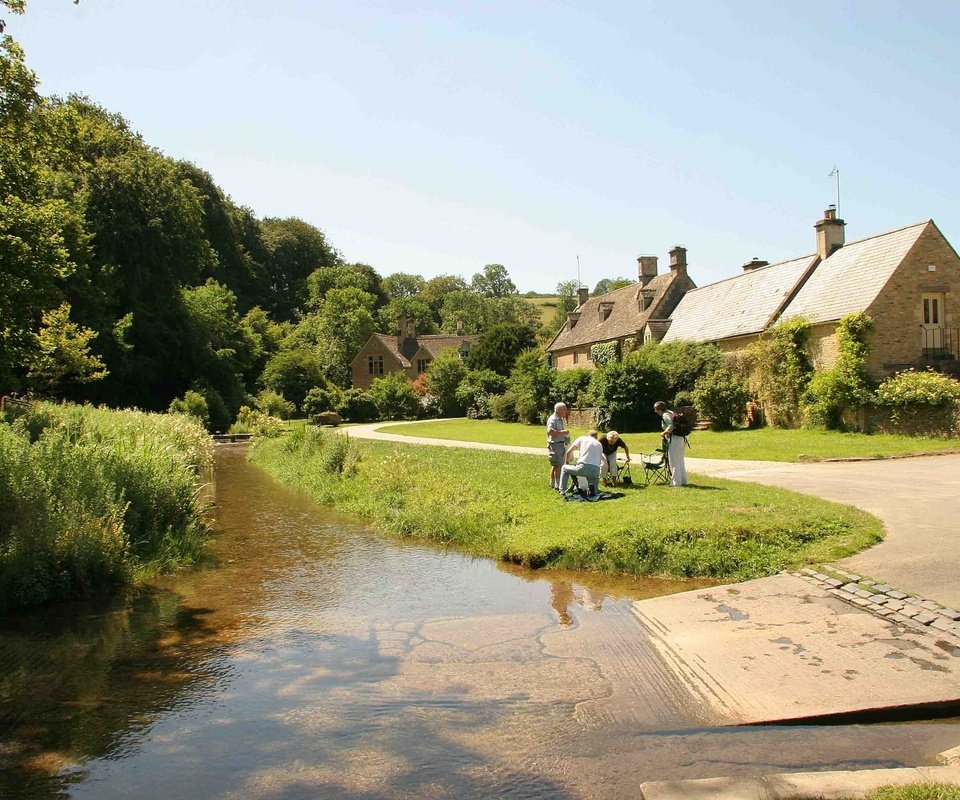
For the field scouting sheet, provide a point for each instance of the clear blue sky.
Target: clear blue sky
(438, 137)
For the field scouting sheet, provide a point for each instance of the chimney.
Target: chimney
(583, 294)
(829, 233)
(459, 327)
(646, 269)
(572, 318)
(755, 263)
(678, 260)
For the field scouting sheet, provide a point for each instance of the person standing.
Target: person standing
(589, 456)
(558, 437)
(673, 444)
(610, 442)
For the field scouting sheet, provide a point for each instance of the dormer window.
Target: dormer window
(605, 310)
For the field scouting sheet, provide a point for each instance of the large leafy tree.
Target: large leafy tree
(436, 289)
(295, 249)
(494, 281)
(403, 284)
(498, 348)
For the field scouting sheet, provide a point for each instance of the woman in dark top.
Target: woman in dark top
(611, 442)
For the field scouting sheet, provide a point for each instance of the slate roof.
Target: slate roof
(852, 277)
(736, 306)
(433, 343)
(625, 317)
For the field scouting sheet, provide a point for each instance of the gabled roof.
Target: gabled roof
(736, 306)
(852, 277)
(432, 343)
(625, 318)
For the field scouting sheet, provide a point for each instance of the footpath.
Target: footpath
(871, 636)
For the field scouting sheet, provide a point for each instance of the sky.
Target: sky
(435, 138)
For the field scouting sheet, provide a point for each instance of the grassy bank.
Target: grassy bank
(917, 791)
(763, 444)
(499, 505)
(91, 499)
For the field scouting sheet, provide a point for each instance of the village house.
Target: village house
(906, 280)
(628, 316)
(408, 352)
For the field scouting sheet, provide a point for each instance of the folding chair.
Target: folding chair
(656, 467)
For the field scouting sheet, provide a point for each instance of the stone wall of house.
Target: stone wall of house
(925, 423)
(360, 371)
(822, 346)
(575, 357)
(582, 417)
(896, 341)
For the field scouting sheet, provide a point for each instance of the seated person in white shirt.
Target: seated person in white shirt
(590, 454)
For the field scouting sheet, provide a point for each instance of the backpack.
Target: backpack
(682, 425)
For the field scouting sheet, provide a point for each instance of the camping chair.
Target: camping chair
(656, 467)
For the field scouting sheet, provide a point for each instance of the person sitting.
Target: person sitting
(610, 442)
(589, 457)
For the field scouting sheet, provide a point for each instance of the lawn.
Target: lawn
(500, 505)
(763, 444)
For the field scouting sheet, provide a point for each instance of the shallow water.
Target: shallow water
(315, 658)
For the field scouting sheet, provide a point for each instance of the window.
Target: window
(931, 310)
(375, 365)
(422, 364)
(576, 357)
(464, 354)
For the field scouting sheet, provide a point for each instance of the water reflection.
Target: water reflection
(319, 659)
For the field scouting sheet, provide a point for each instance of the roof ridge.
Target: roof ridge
(885, 233)
(751, 272)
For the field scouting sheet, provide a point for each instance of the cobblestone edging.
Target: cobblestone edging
(879, 598)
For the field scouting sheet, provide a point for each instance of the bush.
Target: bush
(220, 416)
(504, 407)
(721, 396)
(531, 384)
(779, 369)
(624, 393)
(394, 397)
(604, 353)
(475, 390)
(273, 404)
(356, 405)
(252, 420)
(293, 373)
(572, 386)
(444, 376)
(320, 399)
(682, 364)
(91, 498)
(924, 401)
(192, 404)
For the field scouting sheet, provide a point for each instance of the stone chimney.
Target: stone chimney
(583, 294)
(646, 269)
(678, 260)
(755, 263)
(829, 233)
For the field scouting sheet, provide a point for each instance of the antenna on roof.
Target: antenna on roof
(578, 270)
(836, 172)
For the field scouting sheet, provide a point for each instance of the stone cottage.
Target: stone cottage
(629, 315)
(906, 280)
(408, 352)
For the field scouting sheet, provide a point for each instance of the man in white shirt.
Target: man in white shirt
(590, 454)
(557, 439)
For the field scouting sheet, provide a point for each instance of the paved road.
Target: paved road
(918, 500)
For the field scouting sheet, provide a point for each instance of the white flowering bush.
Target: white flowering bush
(912, 388)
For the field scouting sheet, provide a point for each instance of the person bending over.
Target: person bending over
(589, 456)
(610, 442)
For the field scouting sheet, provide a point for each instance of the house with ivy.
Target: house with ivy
(906, 280)
(619, 321)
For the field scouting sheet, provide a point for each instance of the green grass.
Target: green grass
(917, 791)
(500, 505)
(547, 306)
(763, 444)
(91, 499)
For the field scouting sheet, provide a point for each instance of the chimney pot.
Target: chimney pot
(830, 235)
(678, 260)
(754, 263)
(646, 269)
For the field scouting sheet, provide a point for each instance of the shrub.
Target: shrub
(273, 404)
(624, 393)
(604, 353)
(394, 397)
(444, 376)
(682, 364)
(293, 373)
(924, 401)
(531, 383)
(192, 404)
(722, 396)
(504, 407)
(847, 386)
(356, 405)
(779, 369)
(475, 390)
(320, 399)
(572, 386)
(220, 416)
(252, 420)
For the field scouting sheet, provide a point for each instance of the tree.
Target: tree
(498, 348)
(322, 280)
(411, 308)
(436, 289)
(394, 397)
(295, 249)
(531, 386)
(625, 392)
(293, 373)
(566, 302)
(403, 284)
(606, 285)
(62, 355)
(494, 281)
(444, 376)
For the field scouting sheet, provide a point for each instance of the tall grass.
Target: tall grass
(499, 505)
(91, 499)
